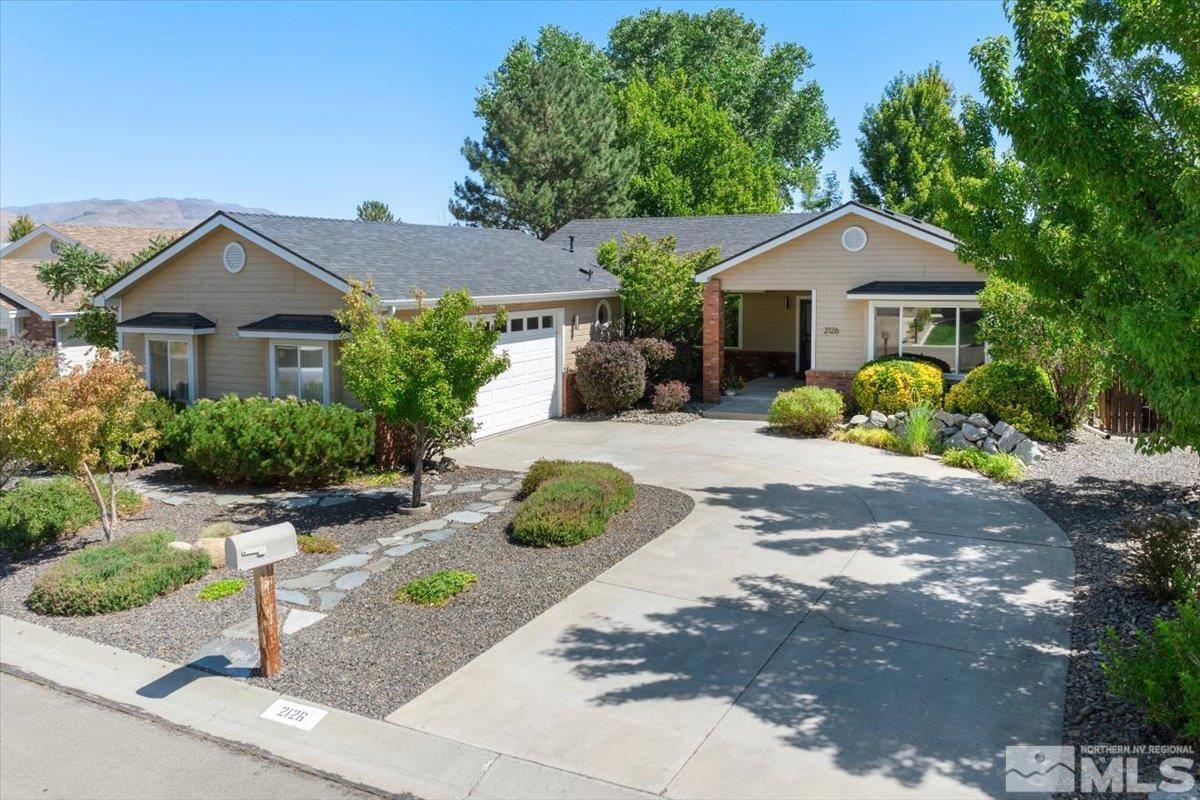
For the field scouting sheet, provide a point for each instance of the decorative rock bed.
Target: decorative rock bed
(961, 431)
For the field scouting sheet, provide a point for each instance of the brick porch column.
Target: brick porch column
(713, 338)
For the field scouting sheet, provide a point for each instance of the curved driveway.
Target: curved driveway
(830, 621)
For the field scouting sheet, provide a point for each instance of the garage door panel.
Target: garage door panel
(526, 392)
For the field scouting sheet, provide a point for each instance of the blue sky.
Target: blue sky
(308, 108)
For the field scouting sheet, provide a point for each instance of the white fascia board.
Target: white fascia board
(918, 299)
(24, 301)
(219, 220)
(503, 299)
(818, 222)
(318, 337)
(38, 231)
(166, 331)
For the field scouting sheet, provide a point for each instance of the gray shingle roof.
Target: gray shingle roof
(733, 233)
(295, 323)
(433, 258)
(183, 320)
(934, 288)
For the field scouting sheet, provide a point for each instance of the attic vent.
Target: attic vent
(234, 257)
(56, 247)
(854, 238)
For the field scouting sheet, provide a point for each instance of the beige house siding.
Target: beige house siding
(767, 324)
(37, 248)
(817, 261)
(195, 280)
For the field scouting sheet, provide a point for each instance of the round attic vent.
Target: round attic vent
(854, 238)
(234, 257)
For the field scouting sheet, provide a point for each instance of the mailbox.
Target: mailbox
(258, 548)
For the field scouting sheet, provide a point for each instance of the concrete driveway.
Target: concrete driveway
(830, 621)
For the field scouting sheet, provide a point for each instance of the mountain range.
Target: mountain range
(157, 212)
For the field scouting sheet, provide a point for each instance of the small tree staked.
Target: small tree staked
(85, 422)
(425, 372)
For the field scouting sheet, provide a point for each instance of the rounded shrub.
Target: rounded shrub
(568, 502)
(920, 358)
(894, 385)
(129, 572)
(656, 352)
(806, 411)
(611, 376)
(257, 440)
(670, 396)
(1018, 393)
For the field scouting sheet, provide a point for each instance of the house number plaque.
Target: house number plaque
(830, 331)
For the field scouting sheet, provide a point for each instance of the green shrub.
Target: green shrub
(1003, 467)
(39, 512)
(920, 431)
(159, 415)
(1161, 670)
(1018, 393)
(1165, 555)
(218, 590)
(670, 396)
(870, 437)
(271, 441)
(220, 530)
(918, 357)
(129, 572)
(807, 411)
(437, 588)
(611, 376)
(568, 502)
(894, 385)
(308, 543)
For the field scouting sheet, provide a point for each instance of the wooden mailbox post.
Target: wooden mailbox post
(258, 550)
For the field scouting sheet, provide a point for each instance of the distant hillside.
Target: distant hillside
(159, 212)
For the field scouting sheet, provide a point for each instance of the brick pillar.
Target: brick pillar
(713, 336)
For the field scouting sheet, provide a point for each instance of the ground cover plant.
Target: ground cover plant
(869, 437)
(806, 411)
(1018, 393)
(220, 530)
(1003, 467)
(568, 502)
(270, 441)
(893, 385)
(39, 512)
(218, 590)
(111, 577)
(437, 588)
(311, 543)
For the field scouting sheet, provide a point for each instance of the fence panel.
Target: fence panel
(1125, 412)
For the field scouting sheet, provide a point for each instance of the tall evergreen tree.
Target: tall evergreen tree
(907, 143)
(549, 153)
(375, 211)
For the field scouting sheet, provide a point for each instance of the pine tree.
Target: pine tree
(374, 211)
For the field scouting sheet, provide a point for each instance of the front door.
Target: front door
(804, 332)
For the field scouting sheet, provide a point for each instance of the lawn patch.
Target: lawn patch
(1003, 467)
(129, 572)
(39, 512)
(437, 588)
(221, 589)
(568, 502)
(310, 543)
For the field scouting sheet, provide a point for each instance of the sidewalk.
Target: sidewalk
(364, 753)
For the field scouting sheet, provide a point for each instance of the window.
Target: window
(603, 314)
(948, 333)
(548, 321)
(168, 368)
(733, 321)
(299, 372)
(531, 324)
(516, 325)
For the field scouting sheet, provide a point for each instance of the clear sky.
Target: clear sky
(308, 108)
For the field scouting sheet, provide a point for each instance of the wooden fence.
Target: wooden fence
(1125, 412)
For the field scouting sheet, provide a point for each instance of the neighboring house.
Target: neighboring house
(244, 303)
(817, 294)
(26, 305)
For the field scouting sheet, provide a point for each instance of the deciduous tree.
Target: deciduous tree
(425, 372)
(658, 293)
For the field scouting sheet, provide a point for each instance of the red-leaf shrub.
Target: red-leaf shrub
(670, 396)
(611, 376)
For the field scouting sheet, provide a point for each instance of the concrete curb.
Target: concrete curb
(365, 753)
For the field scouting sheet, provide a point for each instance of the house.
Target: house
(26, 305)
(244, 303)
(818, 294)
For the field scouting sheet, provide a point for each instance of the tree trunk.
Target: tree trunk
(418, 459)
(94, 488)
(112, 501)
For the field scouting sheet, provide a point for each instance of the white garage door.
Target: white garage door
(528, 391)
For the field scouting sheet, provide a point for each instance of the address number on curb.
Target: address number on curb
(290, 713)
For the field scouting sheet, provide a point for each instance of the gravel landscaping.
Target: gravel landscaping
(369, 654)
(648, 416)
(1088, 485)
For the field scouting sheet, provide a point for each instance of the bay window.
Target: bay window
(300, 370)
(948, 333)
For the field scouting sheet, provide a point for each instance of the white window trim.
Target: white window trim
(191, 358)
(607, 307)
(292, 342)
(741, 319)
(911, 301)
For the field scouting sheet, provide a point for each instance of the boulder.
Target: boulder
(892, 422)
(179, 546)
(1010, 439)
(1000, 427)
(979, 421)
(958, 440)
(1027, 450)
(949, 430)
(988, 445)
(215, 548)
(901, 415)
(858, 419)
(945, 417)
(878, 419)
(973, 433)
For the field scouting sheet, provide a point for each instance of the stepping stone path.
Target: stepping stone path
(308, 599)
